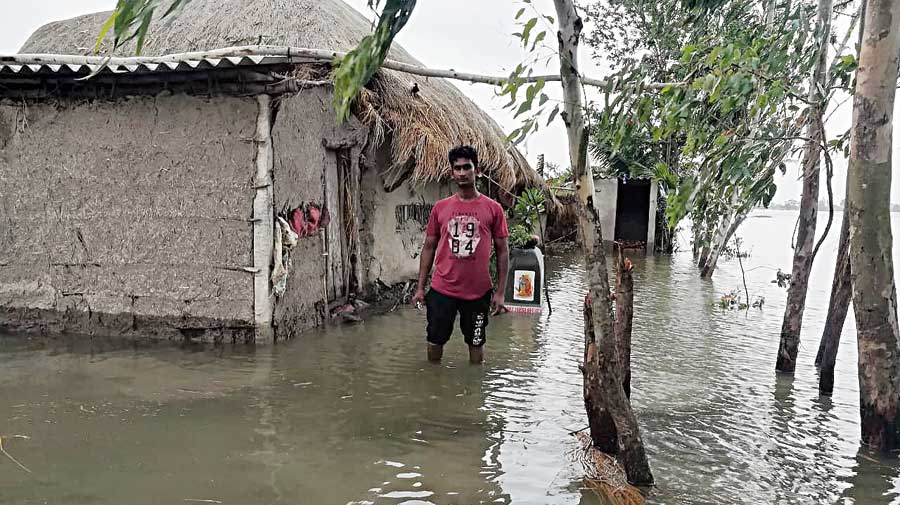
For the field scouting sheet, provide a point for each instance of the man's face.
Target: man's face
(464, 172)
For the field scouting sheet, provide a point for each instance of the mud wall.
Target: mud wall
(396, 223)
(129, 216)
(307, 142)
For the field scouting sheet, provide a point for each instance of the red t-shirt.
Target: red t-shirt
(466, 231)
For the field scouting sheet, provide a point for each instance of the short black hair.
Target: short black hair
(464, 151)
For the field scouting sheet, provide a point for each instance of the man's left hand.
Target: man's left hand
(497, 304)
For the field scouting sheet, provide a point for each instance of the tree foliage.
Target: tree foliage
(131, 20)
(716, 137)
(361, 63)
(534, 104)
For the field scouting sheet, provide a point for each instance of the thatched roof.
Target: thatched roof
(425, 125)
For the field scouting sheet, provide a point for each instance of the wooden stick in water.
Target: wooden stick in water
(14, 460)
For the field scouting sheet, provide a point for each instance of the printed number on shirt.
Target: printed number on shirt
(464, 235)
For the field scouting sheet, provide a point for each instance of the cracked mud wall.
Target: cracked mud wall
(306, 139)
(395, 222)
(127, 216)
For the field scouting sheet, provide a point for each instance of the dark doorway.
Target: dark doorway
(632, 211)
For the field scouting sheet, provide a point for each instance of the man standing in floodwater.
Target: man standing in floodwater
(458, 239)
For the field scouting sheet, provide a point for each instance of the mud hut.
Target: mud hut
(146, 200)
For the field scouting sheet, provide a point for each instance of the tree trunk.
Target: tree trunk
(712, 257)
(809, 200)
(704, 257)
(735, 218)
(600, 422)
(871, 264)
(837, 311)
(841, 293)
(624, 316)
(702, 242)
(603, 385)
(603, 368)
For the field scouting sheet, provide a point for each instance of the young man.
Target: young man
(460, 232)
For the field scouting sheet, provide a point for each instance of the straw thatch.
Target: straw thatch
(424, 125)
(604, 475)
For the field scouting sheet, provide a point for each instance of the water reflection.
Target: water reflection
(874, 480)
(371, 422)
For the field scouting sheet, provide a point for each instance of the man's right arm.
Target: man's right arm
(426, 261)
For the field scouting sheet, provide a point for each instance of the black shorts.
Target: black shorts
(473, 318)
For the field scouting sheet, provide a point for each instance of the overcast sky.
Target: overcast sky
(474, 43)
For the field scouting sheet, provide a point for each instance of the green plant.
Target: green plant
(519, 235)
(528, 208)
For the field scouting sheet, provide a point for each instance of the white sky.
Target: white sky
(446, 34)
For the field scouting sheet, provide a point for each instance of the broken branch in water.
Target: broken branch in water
(14, 460)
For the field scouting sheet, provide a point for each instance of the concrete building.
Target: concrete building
(627, 209)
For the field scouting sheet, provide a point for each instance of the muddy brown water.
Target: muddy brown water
(355, 414)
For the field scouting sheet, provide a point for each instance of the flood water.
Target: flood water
(356, 415)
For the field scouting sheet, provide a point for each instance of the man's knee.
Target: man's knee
(434, 352)
(476, 354)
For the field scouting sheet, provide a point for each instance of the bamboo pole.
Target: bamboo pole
(263, 222)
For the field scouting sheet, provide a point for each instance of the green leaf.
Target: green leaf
(519, 14)
(543, 99)
(663, 174)
(523, 108)
(526, 30)
(644, 109)
(360, 64)
(538, 39)
(142, 31)
(687, 52)
(512, 94)
(530, 92)
(103, 31)
(553, 114)
(175, 6)
(525, 129)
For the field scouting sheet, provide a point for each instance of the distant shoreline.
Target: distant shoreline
(893, 211)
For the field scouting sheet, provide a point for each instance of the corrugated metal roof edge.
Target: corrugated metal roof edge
(43, 65)
(611, 176)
